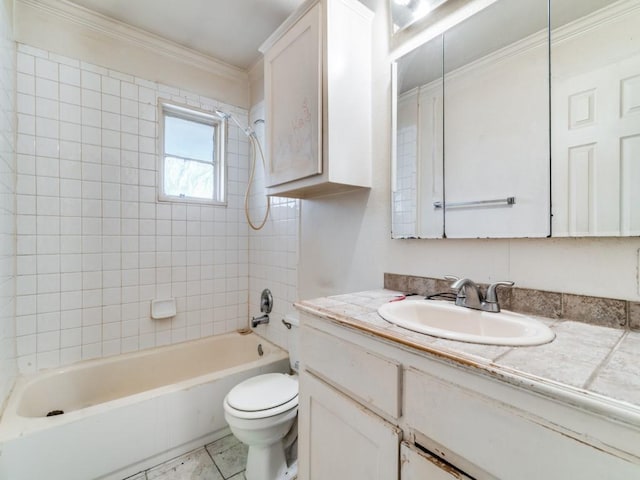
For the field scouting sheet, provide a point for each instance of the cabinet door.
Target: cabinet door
(418, 465)
(293, 93)
(340, 439)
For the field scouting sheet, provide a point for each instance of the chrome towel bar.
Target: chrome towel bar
(477, 203)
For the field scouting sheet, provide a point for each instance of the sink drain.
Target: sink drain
(53, 413)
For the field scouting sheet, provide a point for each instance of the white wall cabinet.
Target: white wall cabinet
(318, 100)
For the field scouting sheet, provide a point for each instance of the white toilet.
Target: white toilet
(261, 412)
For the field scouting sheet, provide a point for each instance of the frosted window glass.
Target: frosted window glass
(187, 178)
(188, 139)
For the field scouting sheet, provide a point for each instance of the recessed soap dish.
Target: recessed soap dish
(163, 308)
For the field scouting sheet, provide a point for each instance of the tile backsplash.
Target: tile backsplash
(607, 312)
(94, 245)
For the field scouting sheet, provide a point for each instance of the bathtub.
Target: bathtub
(127, 413)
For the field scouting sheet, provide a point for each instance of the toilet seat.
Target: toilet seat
(263, 396)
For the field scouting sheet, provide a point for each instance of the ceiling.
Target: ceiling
(228, 30)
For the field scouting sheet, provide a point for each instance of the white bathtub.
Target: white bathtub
(127, 413)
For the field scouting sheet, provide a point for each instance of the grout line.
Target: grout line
(214, 462)
(605, 361)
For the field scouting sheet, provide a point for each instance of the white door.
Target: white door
(341, 440)
(596, 150)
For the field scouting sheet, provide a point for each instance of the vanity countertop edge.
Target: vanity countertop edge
(602, 378)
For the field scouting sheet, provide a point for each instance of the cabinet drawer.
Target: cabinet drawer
(419, 465)
(490, 439)
(365, 376)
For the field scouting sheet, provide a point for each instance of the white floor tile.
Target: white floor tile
(196, 465)
(232, 460)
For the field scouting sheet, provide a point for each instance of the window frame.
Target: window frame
(198, 115)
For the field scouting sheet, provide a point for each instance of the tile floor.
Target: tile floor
(224, 459)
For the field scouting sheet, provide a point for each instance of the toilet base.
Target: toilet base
(268, 463)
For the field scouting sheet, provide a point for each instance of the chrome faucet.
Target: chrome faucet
(266, 305)
(255, 321)
(469, 295)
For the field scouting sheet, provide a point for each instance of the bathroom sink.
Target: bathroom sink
(445, 320)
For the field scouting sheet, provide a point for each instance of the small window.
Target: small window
(192, 155)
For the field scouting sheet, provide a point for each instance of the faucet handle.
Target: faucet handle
(491, 296)
(451, 278)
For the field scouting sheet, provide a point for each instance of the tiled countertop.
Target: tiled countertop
(597, 364)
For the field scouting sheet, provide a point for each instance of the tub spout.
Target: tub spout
(255, 321)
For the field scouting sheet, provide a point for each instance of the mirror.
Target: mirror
(477, 99)
(417, 173)
(499, 125)
(595, 127)
(405, 13)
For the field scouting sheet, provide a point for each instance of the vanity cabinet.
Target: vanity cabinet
(340, 439)
(342, 386)
(370, 405)
(317, 76)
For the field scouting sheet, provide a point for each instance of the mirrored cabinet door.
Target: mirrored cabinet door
(595, 125)
(523, 120)
(496, 123)
(418, 157)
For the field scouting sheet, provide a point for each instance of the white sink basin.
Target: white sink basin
(445, 320)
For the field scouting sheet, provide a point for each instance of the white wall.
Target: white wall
(345, 242)
(7, 201)
(94, 245)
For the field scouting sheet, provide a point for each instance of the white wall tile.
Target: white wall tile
(90, 80)
(47, 88)
(69, 75)
(46, 69)
(94, 244)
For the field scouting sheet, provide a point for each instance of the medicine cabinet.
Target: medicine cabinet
(523, 120)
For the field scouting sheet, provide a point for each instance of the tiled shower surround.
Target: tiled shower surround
(94, 245)
(7, 202)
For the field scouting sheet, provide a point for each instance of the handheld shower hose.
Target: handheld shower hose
(255, 148)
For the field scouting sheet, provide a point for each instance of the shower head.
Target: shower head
(227, 116)
(223, 115)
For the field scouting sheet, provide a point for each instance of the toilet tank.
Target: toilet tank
(293, 340)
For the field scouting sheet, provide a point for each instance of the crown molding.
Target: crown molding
(69, 12)
(595, 19)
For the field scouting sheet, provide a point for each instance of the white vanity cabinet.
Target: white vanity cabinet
(317, 69)
(340, 436)
(340, 439)
(362, 394)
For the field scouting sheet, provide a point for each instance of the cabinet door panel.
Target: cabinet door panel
(340, 439)
(293, 89)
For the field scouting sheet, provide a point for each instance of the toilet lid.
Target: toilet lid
(263, 392)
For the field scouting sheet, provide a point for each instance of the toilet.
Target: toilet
(262, 412)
